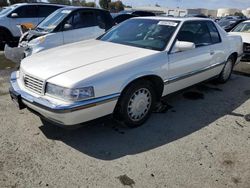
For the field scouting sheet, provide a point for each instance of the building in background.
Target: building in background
(212, 13)
(222, 12)
(206, 12)
(160, 10)
(179, 12)
(198, 11)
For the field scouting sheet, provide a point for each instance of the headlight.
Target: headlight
(69, 94)
(38, 40)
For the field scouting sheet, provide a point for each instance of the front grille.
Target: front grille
(33, 84)
(246, 47)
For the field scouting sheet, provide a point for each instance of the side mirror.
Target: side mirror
(181, 46)
(67, 27)
(14, 15)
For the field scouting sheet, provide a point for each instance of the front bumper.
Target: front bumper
(64, 114)
(15, 54)
(246, 57)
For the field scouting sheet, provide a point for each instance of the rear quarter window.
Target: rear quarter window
(215, 36)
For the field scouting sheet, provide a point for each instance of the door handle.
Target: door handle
(212, 52)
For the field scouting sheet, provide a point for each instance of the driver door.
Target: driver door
(80, 26)
(188, 67)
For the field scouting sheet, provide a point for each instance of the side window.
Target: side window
(215, 36)
(196, 32)
(44, 10)
(84, 19)
(29, 11)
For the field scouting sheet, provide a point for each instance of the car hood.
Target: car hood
(93, 54)
(245, 36)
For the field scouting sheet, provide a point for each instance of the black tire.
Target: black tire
(5, 38)
(143, 94)
(226, 71)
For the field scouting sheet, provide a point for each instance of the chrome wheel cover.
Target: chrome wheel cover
(139, 104)
(227, 69)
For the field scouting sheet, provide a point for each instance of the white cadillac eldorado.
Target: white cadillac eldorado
(125, 71)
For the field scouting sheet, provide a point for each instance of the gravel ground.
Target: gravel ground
(201, 140)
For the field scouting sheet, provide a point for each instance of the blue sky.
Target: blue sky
(211, 4)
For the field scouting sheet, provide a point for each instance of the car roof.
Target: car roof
(21, 4)
(246, 21)
(182, 19)
(78, 7)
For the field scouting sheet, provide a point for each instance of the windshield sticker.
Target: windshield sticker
(168, 23)
(66, 11)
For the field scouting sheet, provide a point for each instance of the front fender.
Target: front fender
(137, 76)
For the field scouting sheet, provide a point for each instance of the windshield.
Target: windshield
(6, 10)
(143, 33)
(242, 27)
(53, 20)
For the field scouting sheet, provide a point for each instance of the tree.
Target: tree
(77, 2)
(116, 6)
(3, 3)
(127, 6)
(90, 4)
(157, 5)
(63, 2)
(104, 4)
(17, 1)
(239, 14)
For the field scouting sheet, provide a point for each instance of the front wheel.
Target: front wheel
(227, 71)
(137, 103)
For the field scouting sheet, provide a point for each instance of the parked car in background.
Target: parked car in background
(12, 16)
(243, 30)
(126, 71)
(66, 25)
(229, 24)
(124, 15)
(143, 13)
(118, 17)
(138, 13)
(197, 15)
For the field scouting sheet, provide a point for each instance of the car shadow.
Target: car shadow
(108, 140)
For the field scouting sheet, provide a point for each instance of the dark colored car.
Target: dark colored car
(118, 18)
(229, 24)
(197, 15)
(138, 12)
(143, 13)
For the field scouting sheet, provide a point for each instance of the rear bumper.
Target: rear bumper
(64, 114)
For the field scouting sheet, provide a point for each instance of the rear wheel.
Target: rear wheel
(137, 103)
(227, 71)
(5, 38)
